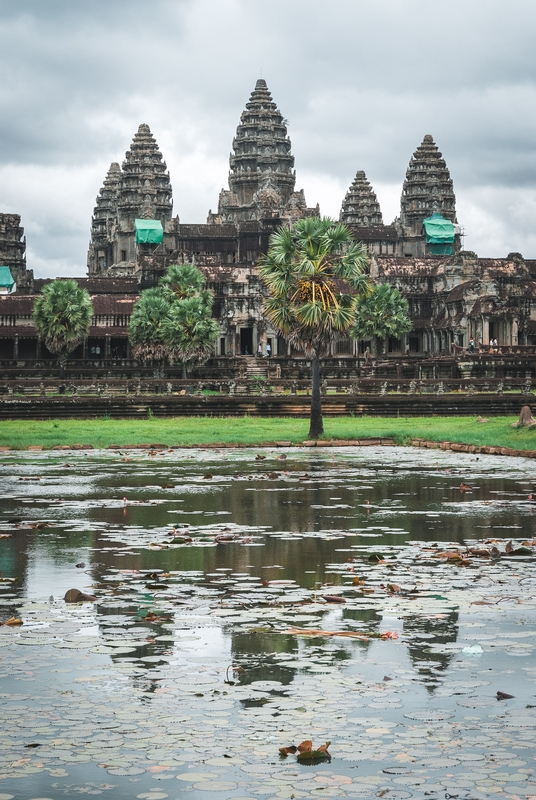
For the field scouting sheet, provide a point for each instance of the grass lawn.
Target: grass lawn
(178, 431)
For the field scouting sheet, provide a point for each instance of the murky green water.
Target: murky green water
(187, 674)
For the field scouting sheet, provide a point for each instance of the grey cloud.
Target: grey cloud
(361, 83)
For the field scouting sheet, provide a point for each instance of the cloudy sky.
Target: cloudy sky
(360, 81)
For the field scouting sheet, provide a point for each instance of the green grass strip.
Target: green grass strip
(180, 431)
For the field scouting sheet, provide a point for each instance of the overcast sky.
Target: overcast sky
(361, 82)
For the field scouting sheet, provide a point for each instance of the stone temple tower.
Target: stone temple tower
(427, 189)
(360, 206)
(140, 189)
(261, 175)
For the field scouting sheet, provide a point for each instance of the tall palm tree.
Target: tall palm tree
(190, 332)
(382, 313)
(62, 314)
(314, 272)
(146, 328)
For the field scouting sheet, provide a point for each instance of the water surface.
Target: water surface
(186, 675)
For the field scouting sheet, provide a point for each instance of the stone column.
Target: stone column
(515, 332)
(485, 330)
(16, 347)
(107, 344)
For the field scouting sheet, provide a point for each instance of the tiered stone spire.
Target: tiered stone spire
(106, 202)
(360, 206)
(261, 176)
(145, 189)
(427, 189)
(140, 190)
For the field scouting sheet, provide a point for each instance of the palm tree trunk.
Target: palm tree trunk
(184, 375)
(316, 427)
(61, 363)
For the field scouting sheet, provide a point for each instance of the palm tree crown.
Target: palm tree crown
(62, 314)
(146, 326)
(382, 313)
(189, 331)
(314, 272)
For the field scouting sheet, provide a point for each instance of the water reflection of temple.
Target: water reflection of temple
(421, 631)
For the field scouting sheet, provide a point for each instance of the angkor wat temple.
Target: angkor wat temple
(453, 294)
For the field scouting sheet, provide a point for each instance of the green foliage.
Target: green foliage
(189, 331)
(314, 272)
(146, 326)
(62, 315)
(178, 431)
(173, 321)
(180, 281)
(382, 313)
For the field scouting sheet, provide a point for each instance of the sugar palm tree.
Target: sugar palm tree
(184, 280)
(314, 272)
(190, 332)
(146, 328)
(62, 314)
(382, 313)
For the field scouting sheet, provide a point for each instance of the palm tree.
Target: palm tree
(180, 281)
(146, 328)
(62, 314)
(190, 332)
(382, 313)
(314, 272)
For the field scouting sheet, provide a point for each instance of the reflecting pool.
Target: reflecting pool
(381, 599)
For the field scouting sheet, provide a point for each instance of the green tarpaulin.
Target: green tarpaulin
(441, 249)
(6, 279)
(148, 231)
(438, 230)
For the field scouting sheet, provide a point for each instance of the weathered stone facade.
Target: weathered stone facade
(140, 189)
(452, 297)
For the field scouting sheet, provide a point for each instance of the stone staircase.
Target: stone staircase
(256, 367)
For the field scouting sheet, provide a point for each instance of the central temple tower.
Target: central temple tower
(261, 174)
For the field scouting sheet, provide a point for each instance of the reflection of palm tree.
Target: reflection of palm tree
(257, 652)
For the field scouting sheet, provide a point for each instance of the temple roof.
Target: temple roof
(261, 168)
(428, 187)
(360, 206)
(145, 188)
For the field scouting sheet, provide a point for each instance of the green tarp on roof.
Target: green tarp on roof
(6, 279)
(441, 249)
(148, 231)
(438, 230)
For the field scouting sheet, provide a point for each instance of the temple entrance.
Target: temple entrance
(7, 349)
(118, 348)
(246, 341)
(27, 349)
